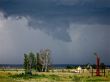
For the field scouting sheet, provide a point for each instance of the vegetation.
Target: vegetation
(37, 69)
(39, 62)
(71, 67)
(14, 76)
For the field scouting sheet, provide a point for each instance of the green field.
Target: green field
(13, 75)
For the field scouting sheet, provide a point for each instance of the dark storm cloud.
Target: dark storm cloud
(54, 16)
(81, 28)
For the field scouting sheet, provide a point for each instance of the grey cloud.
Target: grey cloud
(58, 14)
(86, 39)
(57, 28)
(67, 2)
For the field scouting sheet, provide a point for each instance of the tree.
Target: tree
(45, 59)
(32, 60)
(94, 66)
(26, 63)
(29, 62)
(69, 67)
(40, 62)
(102, 65)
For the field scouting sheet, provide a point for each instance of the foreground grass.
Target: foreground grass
(17, 76)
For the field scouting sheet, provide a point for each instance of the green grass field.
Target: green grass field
(54, 76)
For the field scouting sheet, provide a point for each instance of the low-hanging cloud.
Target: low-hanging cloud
(16, 39)
(54, 16)
(72, 29)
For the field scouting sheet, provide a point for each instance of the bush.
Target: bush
(69, 67)
(76, 78)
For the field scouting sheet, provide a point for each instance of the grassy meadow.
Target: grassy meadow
(65, 75)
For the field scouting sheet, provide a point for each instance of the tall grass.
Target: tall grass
(13, 76)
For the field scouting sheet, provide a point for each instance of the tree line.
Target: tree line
(40, 61)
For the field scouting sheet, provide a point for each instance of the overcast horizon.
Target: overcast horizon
(72, 29)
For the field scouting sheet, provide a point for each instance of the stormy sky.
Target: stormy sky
(72, 29)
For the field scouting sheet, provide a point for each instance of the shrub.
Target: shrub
(69, 67)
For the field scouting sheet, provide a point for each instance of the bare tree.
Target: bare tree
(45, 59)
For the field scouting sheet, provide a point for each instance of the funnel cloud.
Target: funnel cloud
(72, 29)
